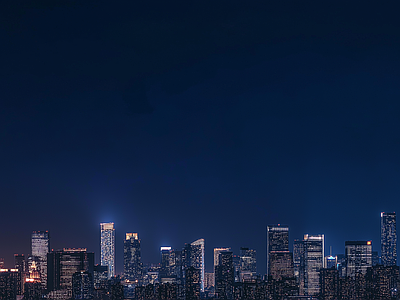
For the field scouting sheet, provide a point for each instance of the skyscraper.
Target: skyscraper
(313, 262)
(40, 248)
(388, 239)
(224, 277)
(63, 264)
(197, 259)
(277, 241)
(132, 258)
(358, 257)
(248, 263)
(108, 247)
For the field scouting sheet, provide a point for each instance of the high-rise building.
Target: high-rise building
(281, 265)
(313, 262)
(329, 284)
(107, 232)
(388, 239)
(32, 289)
(8, 284)
(382, 282)
(100, 276)
(63, 264)
(82, 285)
(197, 259)
(277, 241)
(192, 284)
(217, 251)
(358, 257)
(133, 269)
(298, 264)
(224, 277)
(248, 263)
(165, 259)
(40, 248)
(19, 264)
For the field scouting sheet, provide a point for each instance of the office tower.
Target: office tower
(63, 264)
(197, 259)
(40, 248)
(329, 284)
(382, 282)
(100, 276)
(217, 251)
(248, 263)
(313, 262)
(388, 239)
(298, 257)
(330, 262)
(133, 269)
(358, 257)
(19, 264)
(107, 232)
(165, 258)
(224, 277)
(1, 263)
(281, 265)
(192, 283)
(32, 289)
(8, 284)
(82, 285)
(277, 241)
(175, 264)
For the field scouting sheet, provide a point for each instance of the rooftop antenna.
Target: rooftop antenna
(330, 251)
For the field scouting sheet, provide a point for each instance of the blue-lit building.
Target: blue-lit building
(388, 239)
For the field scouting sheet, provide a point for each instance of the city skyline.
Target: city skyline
(209, 266)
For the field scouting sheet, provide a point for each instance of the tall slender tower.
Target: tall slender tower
(40, 248)
(313, 247)
(197, 259)
(388, 239)
(132, 258)
(108, 247)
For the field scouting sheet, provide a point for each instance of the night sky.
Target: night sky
(182, 120)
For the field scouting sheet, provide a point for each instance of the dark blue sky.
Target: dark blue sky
(197, 119)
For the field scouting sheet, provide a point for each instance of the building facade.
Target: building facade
(107, 244)
(358, 255)
(133, 269)
(277, 241)
(40, 248)
(388, 239)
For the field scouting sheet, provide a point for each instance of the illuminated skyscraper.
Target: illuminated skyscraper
(108, 247)
(197, 259)
(224, 276)
(358, 257)
(40, 248)
(277, 241)
(165, 259)
(313, 262)
(388, 239)
(132, 258)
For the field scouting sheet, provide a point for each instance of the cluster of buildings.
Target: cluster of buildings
(300, 272)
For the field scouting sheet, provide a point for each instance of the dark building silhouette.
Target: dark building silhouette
(329, 284)
(19, 264)
(33, 289)
(224, 276)
(192, 283)
(82, 285)
(63, 264)
(133, 269)
(382, 282)
(8, 284)
(388, 239)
